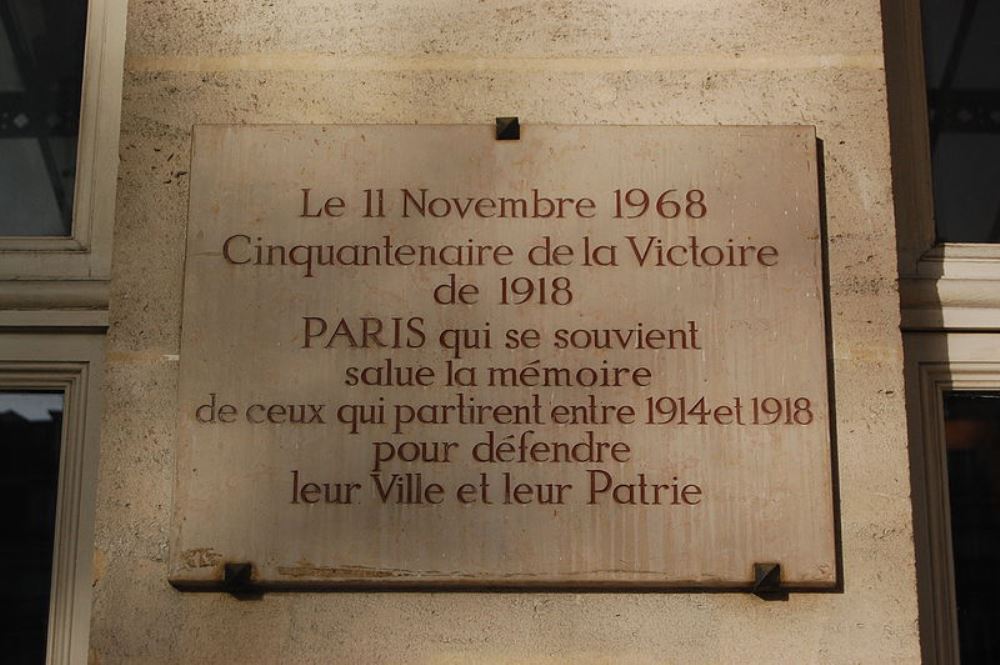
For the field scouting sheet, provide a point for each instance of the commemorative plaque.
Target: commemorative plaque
(419, 355)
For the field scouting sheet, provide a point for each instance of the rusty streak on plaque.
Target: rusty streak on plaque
(418, 356)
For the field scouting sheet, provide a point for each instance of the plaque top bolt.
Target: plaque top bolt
(508, 129)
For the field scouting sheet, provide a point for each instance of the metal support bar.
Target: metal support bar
(965, 111)
(28, 115)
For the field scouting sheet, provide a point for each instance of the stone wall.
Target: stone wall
(708, 62)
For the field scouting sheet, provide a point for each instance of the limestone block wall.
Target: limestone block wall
(707, 62)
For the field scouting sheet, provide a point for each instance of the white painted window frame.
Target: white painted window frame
(70, 363)
(950, 317)
(937, 363)
(53, 316)
(948, 286)
(86, 253)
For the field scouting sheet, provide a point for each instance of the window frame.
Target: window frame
(54, 294)
(937, 363)
(942, 285)
(86, 252)
(950, 318)
(73, 365)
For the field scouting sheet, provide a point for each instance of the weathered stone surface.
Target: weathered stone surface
(591, 356)
(814, 63)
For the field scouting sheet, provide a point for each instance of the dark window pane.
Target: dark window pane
(962, 64)
(41, 71)
(967, 186)
(940, 24)
(972, 437)
(978, 67)
(30, 443)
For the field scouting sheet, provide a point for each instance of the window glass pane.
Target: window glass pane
(978, 67)
(962, 64)
(967, 169)
(972, 438)
(41, 72)
(940, 23)
(30, 441)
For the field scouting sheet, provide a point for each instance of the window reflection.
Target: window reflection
(972, 437)
(41, 73)
(962, 65)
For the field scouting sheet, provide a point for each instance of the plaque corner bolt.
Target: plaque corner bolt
(767, 580)
(237, 578)
(508, 128)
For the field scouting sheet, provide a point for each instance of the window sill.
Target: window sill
(81, 304)
(956, 286)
